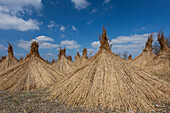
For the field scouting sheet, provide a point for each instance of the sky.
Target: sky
(77, 24)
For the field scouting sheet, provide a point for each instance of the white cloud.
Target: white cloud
(13, 22)
(95, 44)
(70, 44)
(10, 11)
(24, 44)
(62, 28)
(93, 11)
(43, 38)
(18, 5)
(19, 55)
(106, 1)
(2, 47)
(74, 28)
(133, 44)
(80, 4)
(130, 39)
(44, 44)
(49, 54)
(89, 22)
(63, 36)
(51, 25)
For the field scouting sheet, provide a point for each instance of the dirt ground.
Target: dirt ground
(37, 102)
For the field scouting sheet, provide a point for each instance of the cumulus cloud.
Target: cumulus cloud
(18, 5)
(80, 4)
(130, 39)
(49, 54)
(62, 28)
(44, 43)
(9, 11)
(24, 44)
(13, 22)
(43, 38)
(89, 22)
(95, 44)
(74, 28)
(133, 44)
(93, 11)
(2, 47)
(51, 25)
(20, 55)
(106, 1)
(70, 44)
(63, 36)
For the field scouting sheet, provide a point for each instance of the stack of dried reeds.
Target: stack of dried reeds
(77, 59)
(80, 61)
(9, 61)
(64, 65)
(106, 81)
(30, 74)
(146, 55)
(160, 64)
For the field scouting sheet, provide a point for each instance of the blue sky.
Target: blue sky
(76, 24)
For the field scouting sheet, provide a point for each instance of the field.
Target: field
(36, 102)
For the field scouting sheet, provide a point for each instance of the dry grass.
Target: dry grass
(106, 81)
(31, 74)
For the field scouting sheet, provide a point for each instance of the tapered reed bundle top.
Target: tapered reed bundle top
(85, 52)
(10, 50)
(34, 49)
(130, 57)
(148, 45)
(61, 52)
(162, 42)
(104, 40)
(70, 58)
(77, 56)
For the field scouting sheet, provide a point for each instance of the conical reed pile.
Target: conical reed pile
(84, 57)
(77, 59)
(64, 65)
(106, 81)
(9, 61)
(30, 74)
(146, 55)
(160, 64)
(80, 61)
